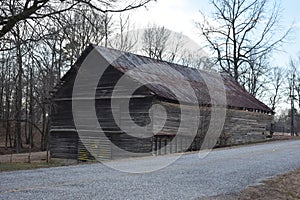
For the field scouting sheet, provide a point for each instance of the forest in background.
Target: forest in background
(41, 39)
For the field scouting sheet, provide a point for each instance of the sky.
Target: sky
(181, 16)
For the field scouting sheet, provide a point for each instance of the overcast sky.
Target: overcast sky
(181, 15)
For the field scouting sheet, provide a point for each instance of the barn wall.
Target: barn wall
(245, 127)
(91, 143)
(240, 127)
(123, 144)
(170, 138)
(64, 144)
(61, 115)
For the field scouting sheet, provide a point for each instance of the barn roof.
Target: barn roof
(146, 70)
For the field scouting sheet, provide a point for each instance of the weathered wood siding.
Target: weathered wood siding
(240, 126)
(188, 136)
(123, 144)
(64, 144)
(245, 127)
(70, 145)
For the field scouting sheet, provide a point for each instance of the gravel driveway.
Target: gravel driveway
(222, 172)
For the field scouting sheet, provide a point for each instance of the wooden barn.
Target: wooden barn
(140, 95)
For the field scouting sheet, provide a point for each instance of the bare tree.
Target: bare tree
(255, 75)
(8, 84)
(155, 41)
(292, 77)
(124, 39)
(297, 83)
(196, 59)
(13, 11)
(277, 79)
(243, 30)
(18, 90)
(175, 47)
(82, 28)
(2, 85)
(39, 40)
(298, 91)
(160, 43)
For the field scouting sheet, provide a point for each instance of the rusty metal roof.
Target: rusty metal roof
(152, 70)
(160, 74)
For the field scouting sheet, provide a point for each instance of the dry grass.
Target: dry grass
(13, 162)
(286, 186)
(24, 157)
(25, 166)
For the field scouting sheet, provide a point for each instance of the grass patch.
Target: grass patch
(24, 166)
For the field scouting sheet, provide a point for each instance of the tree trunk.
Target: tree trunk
(18, 115)
(26, 114)
(31, 112)
(43, 133)
(8, 138)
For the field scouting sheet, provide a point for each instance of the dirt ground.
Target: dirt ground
(284, 136)
(282, 187)
(286, 186)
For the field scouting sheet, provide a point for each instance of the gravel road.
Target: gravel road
(223, 171)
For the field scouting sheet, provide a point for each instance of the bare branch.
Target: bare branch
(11, 14)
